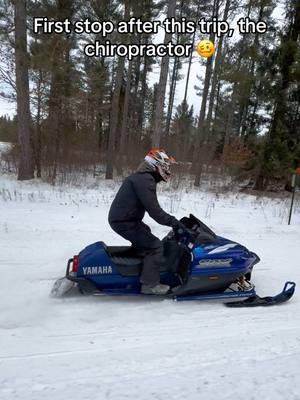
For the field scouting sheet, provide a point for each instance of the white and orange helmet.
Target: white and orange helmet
(161, 161)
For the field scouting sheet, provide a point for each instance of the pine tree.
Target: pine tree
(182, 131)
(281, 150)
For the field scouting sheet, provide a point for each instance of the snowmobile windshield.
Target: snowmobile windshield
(201, 233)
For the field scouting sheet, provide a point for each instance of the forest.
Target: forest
(77, 113)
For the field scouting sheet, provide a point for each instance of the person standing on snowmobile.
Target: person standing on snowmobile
(137, 195)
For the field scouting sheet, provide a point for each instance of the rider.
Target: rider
(137, 195)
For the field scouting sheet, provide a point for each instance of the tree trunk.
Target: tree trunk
(141, 110)
(244, 112)
(173, 82)
(114, 119)
(161, 88)
(172, 94)
(123, 138)
(114, 113)
(191, 57)
(217, 67)
(201, 125)
(189, 70)
(38, 140)
(198, 163)
(234, 97)
(54, 115)
(134, 134)
(26, 163)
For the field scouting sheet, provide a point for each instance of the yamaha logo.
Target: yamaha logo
(225, 262)
(99, 270)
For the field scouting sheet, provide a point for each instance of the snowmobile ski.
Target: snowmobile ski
(257, 301)
(216, 296)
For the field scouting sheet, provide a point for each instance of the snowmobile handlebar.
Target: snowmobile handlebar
(184, 238)
(190, 230)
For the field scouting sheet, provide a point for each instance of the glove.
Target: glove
(179, 227)
(183, 234)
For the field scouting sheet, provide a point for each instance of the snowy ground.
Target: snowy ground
(117, 348)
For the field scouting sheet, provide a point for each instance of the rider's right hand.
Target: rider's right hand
(179, 228)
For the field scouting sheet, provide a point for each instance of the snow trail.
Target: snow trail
(120, 348)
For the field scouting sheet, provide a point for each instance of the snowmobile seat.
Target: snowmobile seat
(125, 255)
(129, 261)
(126, 260)
(128, 266)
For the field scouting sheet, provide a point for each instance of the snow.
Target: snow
(4, 147)
(117, 348)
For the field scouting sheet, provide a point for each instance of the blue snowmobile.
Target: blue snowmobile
(198, 265)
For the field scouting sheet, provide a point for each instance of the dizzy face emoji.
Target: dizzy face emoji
(205, 48)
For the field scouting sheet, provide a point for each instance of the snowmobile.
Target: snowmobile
(198, 265)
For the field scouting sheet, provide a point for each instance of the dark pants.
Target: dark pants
(139, 234)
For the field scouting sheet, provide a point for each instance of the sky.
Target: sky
(7, 108)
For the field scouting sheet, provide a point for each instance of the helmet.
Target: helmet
(161, 161)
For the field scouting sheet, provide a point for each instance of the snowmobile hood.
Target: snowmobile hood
(222, 247)
(222, 256)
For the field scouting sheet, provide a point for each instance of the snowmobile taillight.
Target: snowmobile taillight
(74, 265)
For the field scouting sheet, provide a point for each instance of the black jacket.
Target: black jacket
(137, 195)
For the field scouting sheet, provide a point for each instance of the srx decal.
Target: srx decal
(225, 262)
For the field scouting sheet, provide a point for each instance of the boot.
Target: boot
(158, 289)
